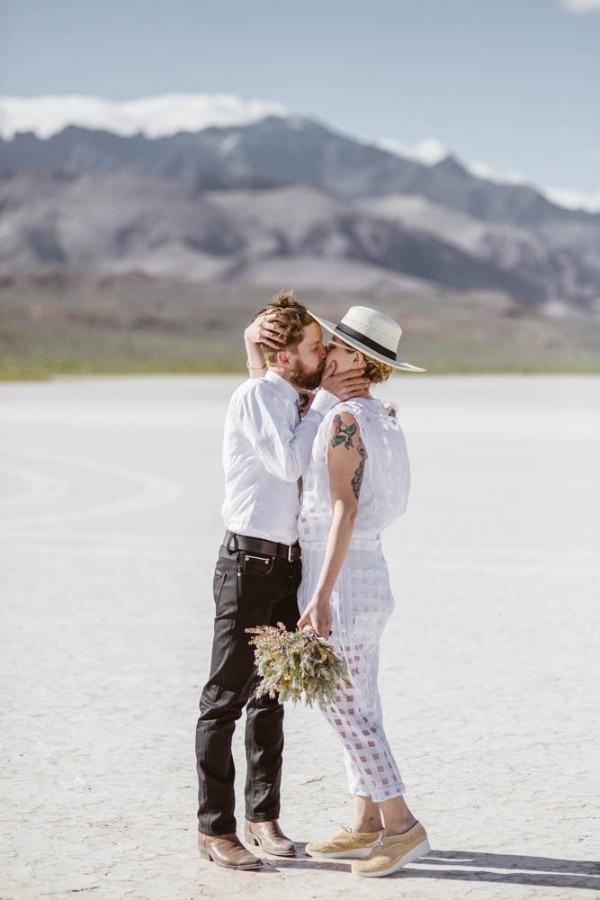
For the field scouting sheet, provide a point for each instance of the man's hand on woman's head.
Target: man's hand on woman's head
(268, 329)
(344, 385)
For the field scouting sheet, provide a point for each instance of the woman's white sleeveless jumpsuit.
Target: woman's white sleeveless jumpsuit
(362, 600)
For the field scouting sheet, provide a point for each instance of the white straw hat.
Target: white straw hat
(372, 333)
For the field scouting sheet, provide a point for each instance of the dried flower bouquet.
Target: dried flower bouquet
(297, 665)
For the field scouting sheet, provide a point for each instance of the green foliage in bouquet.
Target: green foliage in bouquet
(297, 665)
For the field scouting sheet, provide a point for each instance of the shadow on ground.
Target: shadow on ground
(495, 868)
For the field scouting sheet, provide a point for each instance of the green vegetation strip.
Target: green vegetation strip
(133, 325)
(44, 351)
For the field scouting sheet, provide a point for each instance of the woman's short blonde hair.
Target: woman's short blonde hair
(377, 371)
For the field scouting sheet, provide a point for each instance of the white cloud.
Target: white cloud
(571, 199)
(580, 7)
(152, 116)
(483, 170)
(428, 151)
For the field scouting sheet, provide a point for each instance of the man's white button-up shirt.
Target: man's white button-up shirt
(265, 451)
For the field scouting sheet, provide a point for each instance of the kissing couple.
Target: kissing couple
(311, 481)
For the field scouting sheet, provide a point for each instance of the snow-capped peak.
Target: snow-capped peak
(151, 116)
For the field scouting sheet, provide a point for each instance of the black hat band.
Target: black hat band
(372, 345)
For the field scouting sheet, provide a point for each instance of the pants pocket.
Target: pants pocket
(256, 566)
(225, 588)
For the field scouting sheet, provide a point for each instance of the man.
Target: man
(266, 450)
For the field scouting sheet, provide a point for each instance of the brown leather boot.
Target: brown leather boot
(227, 850)
(269, 837)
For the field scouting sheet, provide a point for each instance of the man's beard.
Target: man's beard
(305, 379)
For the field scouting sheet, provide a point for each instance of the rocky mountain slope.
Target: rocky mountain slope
(287, 200)
(293, 235)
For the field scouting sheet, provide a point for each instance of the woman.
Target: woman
(356, 485)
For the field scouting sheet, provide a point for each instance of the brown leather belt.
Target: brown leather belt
(266, 548)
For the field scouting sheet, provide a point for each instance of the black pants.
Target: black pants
(248, 590)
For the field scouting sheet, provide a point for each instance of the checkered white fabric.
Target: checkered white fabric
(362, 600)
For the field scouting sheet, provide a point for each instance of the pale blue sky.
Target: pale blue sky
(512, 83)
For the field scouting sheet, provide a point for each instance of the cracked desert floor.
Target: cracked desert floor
(111, 492)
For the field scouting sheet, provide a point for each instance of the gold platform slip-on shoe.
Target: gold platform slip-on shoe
(269, 837)
(393, 852)
(228, 851)
(345, 844)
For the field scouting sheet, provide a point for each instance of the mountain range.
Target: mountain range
(287, 201)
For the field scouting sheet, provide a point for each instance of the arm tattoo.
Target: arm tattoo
(343, 433)
(360, 471)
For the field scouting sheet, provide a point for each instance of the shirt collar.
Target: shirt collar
(282, 385)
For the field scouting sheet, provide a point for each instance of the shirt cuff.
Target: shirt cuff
(323, 402)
